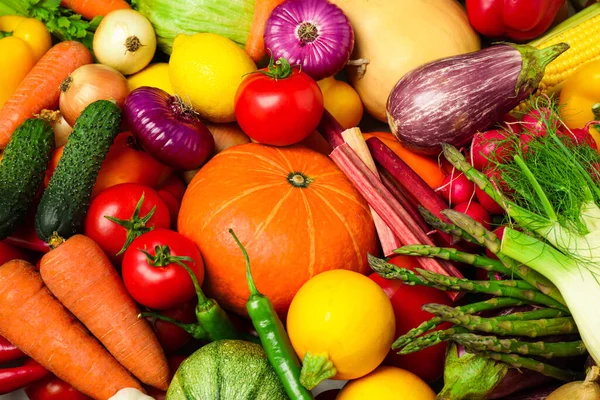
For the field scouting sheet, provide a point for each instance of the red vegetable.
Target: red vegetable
(152, 269)
(499, 231)
(314, 34)
(279, 105)
(490, 146)
(121, 213)
(457, 188)
(170, 336)
(7, 253)
(487, 202)
(518, 20)
(15, 378)
(53, 388)
(475, 211)
(578, 137)
(407, 302)
(167, 128)
(8, 351)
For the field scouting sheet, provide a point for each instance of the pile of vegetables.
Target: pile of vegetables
(190, 209)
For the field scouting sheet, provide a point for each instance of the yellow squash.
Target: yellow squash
(341, 325)
(396, 36)
(30, 30)
(342, 101)
(16, 60)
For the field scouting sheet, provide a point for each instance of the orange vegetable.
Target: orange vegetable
(295, 211)
(80, 275)
(255, 45)
(34, 321)
(427, 168)
(41, 87)
(93, 8)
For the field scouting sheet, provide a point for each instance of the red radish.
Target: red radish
(512, 124)
(499, 231)
(578, 137)
(534, 123)
(495, 176)
(456, 188)
(490, 146)
(487, 202)
(475, 211)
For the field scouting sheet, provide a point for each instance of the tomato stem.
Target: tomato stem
(135, 226)
(279, 69)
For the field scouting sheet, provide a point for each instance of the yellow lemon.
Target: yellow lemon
(342, 101)
(206, 70)
(341, 325)
(154, 75)
(387, 383)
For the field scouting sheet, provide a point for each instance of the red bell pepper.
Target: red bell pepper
(520, 20)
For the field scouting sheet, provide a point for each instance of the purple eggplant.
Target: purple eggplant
(449, 100)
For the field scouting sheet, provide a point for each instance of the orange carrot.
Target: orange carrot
(80, 275)
(255, 45)
(34, 321)
(93, 8)
(41, 87)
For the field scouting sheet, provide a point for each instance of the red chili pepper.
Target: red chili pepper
(518, 20)
(8, 351)
(12, 379)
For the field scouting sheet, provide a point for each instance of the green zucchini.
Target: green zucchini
(65, 202)
(226, 370)
(22, 170)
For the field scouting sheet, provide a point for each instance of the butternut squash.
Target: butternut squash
(396, 36)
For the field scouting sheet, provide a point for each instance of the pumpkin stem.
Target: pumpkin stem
(315, 369)
(299, 180)
(135, 226)
(193, 329)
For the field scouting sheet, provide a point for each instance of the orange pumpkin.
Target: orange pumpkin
(292, 208)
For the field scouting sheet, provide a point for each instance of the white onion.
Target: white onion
(125, 40)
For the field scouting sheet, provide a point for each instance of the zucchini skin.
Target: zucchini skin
(22, 170)
(66, 200)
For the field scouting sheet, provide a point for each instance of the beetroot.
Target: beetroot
(475, 211)
(456, 188)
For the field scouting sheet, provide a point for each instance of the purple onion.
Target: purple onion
(449, 100)
(314, 34)
(167, 128)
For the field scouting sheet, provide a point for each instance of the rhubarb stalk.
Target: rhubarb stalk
(354, 138)
(376, 194)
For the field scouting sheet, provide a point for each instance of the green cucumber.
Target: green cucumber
(22, 170)
(65, 202)
(226, 370)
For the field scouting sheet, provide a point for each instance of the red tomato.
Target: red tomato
(151, 274)
(125, 162)
(279, 112)
(407, 301)
(174, 185)
(170, 336)
(53, 388)
(8, 252)
(121, 202)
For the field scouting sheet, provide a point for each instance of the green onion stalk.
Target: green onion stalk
(556, 207)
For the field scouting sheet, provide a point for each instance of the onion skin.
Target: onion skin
(449, 100)
(87, 84)
(166, 128)
(323, 49)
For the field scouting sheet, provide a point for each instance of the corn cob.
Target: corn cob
(582, 33)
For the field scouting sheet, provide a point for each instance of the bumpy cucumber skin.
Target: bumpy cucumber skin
(65, 202)
(226, 370)
(22, 170)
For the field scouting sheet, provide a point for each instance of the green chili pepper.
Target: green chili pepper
(212, 319)
(273, 336)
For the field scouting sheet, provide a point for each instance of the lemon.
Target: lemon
(387, 383)
(206, 70)
(343, 317)
(154, 75)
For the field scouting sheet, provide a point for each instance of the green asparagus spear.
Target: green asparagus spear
(542, 349)
(431, 339)
(517, 361)
(492, 243)
(451, 254)
(545, 326)
(491, 304)
(496, 288)
(440, 225)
